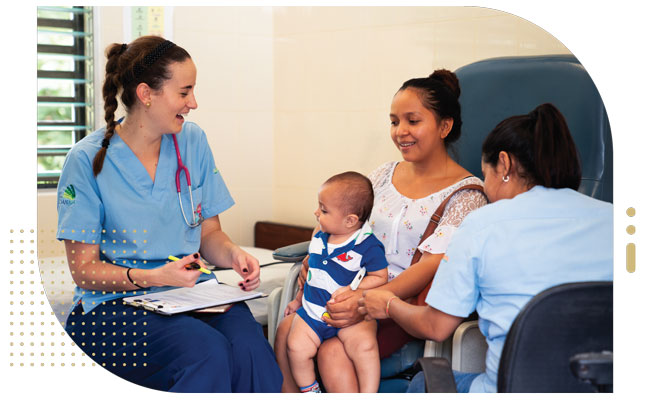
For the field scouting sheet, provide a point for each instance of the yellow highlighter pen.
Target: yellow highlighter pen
(192, 265)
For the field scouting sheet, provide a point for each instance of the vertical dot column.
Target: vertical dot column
(630, 249)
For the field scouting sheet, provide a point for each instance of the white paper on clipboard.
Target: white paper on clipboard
(205, 294)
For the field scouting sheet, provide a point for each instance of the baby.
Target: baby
(343, 246)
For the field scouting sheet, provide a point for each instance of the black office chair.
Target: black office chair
(561, 342)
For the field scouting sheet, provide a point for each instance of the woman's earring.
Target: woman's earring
(148, 104)
(506, 178)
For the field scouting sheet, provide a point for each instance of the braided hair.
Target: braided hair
(145, 60)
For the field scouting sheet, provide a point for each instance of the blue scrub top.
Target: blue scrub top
(506, 252)
(136, 222)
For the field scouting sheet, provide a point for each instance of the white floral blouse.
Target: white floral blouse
(399, 222)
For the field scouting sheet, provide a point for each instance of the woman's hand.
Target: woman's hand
(373, 303)
(220, 251)
(343, 310)
(339, 292)
(302, 276)
(247, 267)
(175, 273)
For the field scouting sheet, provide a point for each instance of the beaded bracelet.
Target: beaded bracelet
(128, 275)
(388, 304)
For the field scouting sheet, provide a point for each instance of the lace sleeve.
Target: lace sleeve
(460, 205)
(381, 175)
(457, 209)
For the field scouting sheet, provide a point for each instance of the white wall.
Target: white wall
(291, 95)
(337, 69)
(233, 50)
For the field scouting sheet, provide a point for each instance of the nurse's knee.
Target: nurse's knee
(247, 346)
(211, 348)
(219, 355)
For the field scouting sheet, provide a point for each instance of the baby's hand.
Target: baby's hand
(339, 292)
(292, 307)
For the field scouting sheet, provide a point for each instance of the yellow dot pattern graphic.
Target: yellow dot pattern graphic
(36, 335)
(41, 289)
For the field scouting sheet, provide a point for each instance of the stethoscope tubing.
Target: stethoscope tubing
(183, 168)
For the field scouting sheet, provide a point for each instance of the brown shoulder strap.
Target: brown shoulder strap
(437, 216)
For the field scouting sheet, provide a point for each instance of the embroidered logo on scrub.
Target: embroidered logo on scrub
(215, 171)
(69, 195)
(344, 257)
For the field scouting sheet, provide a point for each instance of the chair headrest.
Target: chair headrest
(494, 89)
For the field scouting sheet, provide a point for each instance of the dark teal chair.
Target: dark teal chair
(495, 89)
(492, 90)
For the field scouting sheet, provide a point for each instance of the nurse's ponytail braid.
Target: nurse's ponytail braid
(109, 93)
(145, 60)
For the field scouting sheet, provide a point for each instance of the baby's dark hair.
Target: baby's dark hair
(357, 196)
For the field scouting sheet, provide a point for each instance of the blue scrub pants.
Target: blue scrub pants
(189, 352)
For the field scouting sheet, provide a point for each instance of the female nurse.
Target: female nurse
(120, 217)
(537, 233)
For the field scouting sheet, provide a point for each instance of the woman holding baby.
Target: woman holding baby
(425, 120)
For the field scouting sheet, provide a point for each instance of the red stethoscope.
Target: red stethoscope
(197, 218)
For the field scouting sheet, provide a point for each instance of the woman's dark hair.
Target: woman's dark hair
(146, 59)
(439, 93)
(541, 143)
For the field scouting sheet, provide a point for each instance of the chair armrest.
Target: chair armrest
(438, 377)
(595, 368)
(273, 309)
(292, 253)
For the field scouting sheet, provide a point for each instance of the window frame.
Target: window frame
(81, 52)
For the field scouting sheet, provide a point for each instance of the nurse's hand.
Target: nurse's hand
(374, 303)
(247, 267)
(344, 309)
(175, 273)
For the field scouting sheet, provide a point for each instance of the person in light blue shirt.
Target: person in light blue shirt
(538, 232)
(137, 235)
(121, 217)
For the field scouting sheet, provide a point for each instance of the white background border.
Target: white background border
(609, 40)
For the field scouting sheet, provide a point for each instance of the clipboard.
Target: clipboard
(203, 295)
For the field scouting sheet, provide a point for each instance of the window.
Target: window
(65, 85)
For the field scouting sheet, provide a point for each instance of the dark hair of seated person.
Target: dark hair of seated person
(439, 93)
(541, 143)
(357, 196)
